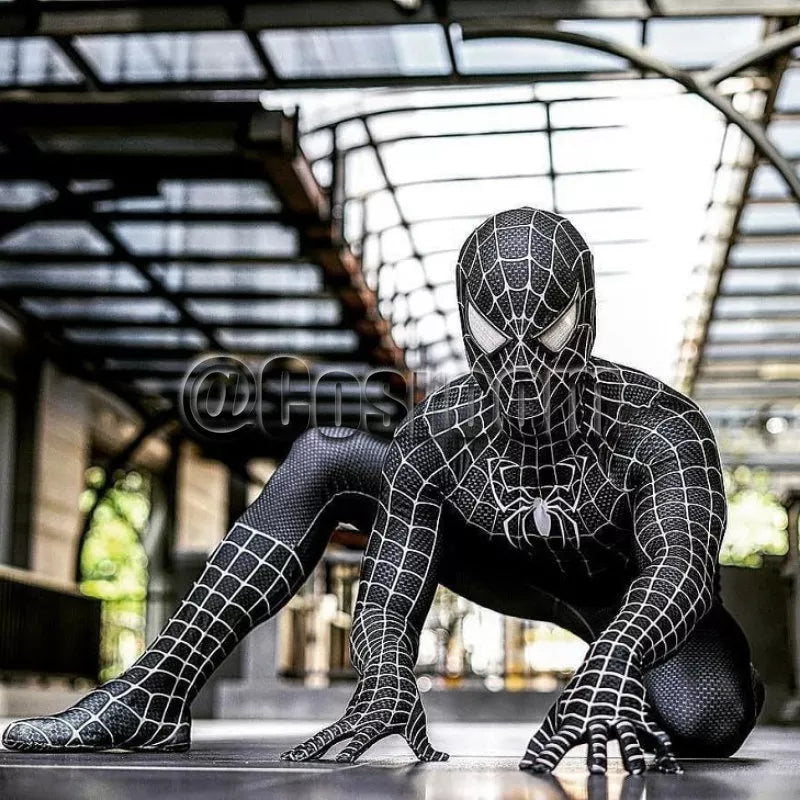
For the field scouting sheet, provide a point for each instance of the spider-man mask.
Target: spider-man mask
(525, 283)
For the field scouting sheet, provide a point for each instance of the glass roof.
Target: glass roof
(417, 182)
(531, 56)
(222, 239)
(170, 56)
(34, 61)
(426, 130)
(304, 54)
(133, 268)
(742, 342)
(337, 52)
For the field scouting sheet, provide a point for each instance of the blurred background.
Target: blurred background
(188, 179)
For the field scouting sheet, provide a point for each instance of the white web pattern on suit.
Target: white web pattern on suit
(668, 454)
(628, 445)
(232, 597)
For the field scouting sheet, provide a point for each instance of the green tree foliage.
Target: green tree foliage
(114, 564)
(757, 523)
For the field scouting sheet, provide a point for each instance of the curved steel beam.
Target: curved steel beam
(771, 46)
(644, 60)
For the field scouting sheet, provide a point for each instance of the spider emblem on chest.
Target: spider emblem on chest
(530, 511)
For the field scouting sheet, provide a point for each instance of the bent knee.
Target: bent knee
(714, 730)
(319, 452)
(318, 440)
(335, 460)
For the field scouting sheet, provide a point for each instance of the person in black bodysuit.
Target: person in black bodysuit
(546, 484)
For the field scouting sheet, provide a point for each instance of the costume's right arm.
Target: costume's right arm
(398, 581)
(399, 571)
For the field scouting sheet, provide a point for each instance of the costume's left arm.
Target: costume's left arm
(678, 510)
(678, 520)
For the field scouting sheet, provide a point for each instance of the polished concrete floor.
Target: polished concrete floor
(240, 760)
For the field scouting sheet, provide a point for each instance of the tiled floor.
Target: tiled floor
(239, 760)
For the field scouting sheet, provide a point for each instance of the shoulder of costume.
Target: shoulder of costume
(440, 413)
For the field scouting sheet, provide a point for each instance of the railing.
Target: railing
(47, 628)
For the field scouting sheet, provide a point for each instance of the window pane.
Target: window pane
(432, 235)
(761, 254)
(767, 182)
(597, 149)
(203, 238)
(491, 119)
(329, 52)
(594, 113)
(785, 135)
(479, 156)
(757, 307)
(211, 195)
(301, 341)
(472, 198)
(288, 312)
(33, 61)
(381, 211)
(702, 42)
(584, 192)
(75, 276)
(624, 31)
(771, 219)
(56, 237)
(208, 278)
(605, 226)
(483, 56)
(722, 330)
(137, 337)
(740, 281)
(362, 173)
(170, 56)
(151, 309)
(20, 195)
(788, 98)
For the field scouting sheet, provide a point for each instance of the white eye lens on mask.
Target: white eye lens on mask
(556, 336)
(487, 337)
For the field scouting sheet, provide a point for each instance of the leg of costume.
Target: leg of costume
(569, 457)
(708, 695)
(330, 476)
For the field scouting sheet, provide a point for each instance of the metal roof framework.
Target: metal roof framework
(739, 348)
(149, 234)
(323, 43)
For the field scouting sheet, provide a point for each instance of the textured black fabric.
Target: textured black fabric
(546, 483)
(330, 475)
(707, 696)
(602, 474)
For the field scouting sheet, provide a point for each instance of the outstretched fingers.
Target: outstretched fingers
(630, 747)
(597, 746)
(552, 753)
(537, 742)
(320, 743)
(363, 739)
(665, 758)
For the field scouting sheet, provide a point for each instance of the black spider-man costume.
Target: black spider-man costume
(546, 484)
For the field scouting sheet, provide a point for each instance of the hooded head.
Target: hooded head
(525, 283)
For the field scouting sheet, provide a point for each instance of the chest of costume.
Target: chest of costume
(563, 506)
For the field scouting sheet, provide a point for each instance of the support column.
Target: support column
(253, 666)
(26, 415)
(60, 461)
(159, 540)
(791, 711)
